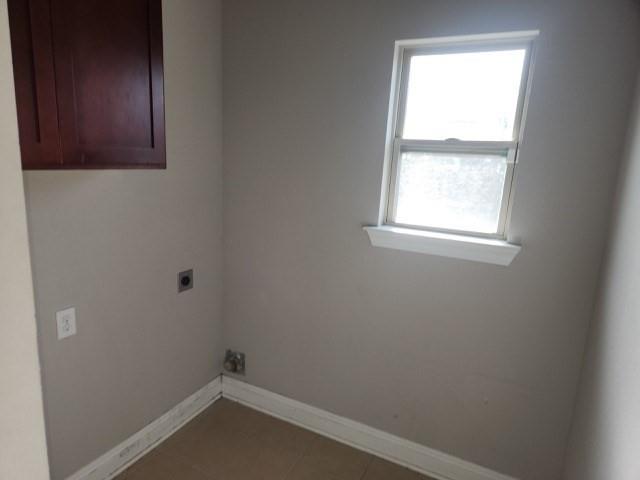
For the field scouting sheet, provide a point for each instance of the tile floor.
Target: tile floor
(231, 442)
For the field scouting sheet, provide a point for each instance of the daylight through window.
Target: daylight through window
(457, 124)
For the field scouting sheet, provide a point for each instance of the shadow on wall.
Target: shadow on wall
(606, 431)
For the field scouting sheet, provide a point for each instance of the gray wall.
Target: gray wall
(606, 430)
(23, 448)
(475, 360)
(111, 244)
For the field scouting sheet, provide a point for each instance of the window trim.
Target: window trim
(395, 144)
(464, 247)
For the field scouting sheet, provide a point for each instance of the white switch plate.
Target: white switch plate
(66, 320)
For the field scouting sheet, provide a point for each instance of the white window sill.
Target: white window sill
(477, 249)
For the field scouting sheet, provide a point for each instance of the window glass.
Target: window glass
(467, 96)
(452, 191)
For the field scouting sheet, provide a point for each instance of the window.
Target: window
(455, 126)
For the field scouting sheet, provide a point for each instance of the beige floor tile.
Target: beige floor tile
(328, 459)
(241, 458)
(382, 470)
(158, 466)
(217, 421)
(285, 435)
(271, 450)
(237, 443)
(231, 442)
(209, 449)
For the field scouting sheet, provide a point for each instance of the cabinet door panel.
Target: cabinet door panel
(34, 75)
(108, 57)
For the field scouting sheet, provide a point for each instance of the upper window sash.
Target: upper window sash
(482, 43)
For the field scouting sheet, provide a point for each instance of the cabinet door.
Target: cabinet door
(109, 82)
(34, 76)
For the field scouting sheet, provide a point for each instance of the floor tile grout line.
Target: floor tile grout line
(302, 455)
(366, 470)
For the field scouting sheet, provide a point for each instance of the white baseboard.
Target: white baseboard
(417, 457)
(119, 458)
(395, 449)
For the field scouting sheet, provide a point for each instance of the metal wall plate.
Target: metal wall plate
(234, 362)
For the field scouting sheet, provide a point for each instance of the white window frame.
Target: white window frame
(395, 144)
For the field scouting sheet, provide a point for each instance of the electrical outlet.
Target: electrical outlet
(66, 320)
(185, 281)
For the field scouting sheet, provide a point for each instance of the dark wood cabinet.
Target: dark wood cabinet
(89, 83)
